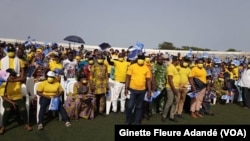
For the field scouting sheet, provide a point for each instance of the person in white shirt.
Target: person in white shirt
(244, 83)
(69, 66)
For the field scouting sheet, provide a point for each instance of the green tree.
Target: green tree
(232, 50)
(185, 48)
(170, 46)
(167, 46)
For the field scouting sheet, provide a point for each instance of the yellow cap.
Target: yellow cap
(39, 50)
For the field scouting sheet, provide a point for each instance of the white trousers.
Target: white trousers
(118, 94)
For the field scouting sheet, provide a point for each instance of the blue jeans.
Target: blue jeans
(44, 103)
(135, 103)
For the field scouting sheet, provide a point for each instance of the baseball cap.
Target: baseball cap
(51, 74)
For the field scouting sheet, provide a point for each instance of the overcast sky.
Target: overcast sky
(213, 24)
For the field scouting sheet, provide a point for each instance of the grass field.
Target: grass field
(102, 128)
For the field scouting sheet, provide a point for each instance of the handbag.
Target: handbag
(54, 103)
(199, 85)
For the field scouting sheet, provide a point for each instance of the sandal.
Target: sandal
(67, 124)
(1, 130)
(27, 127)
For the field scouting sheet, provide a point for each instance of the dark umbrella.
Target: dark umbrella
(74, 38)
(104, 46)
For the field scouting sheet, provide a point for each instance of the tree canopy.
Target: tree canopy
(170, 46)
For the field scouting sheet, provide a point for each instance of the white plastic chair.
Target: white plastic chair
(27, 99)
(38, 99)
(65, 85)
(38, 103)
(30, 82)
(69, 88)
(1, 111)
(62, 82)
(27, 103)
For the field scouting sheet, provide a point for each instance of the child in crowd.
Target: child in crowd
(220, 88)
(207, 100)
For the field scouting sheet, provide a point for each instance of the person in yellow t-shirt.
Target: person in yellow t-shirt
(198, 82)
(147, 105)
(109, 67)
(137, 82)
(172, 87)
(120, 67)
(235, 72)
(232, 73)
(56, 66)
(184, 83)
(208, 63)
(23, 57)
(12, 96)
(48, 89)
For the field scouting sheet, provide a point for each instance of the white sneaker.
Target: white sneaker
(67, 124)
(122, 110)
(40, 127)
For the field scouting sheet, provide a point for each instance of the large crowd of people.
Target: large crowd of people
(138, 87)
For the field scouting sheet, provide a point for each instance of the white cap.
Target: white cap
(51, 74)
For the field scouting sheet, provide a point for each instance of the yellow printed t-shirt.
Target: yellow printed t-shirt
(99, 78)
(138, 76)
(201, 74)
(49, 89)
(121, 70)
(171, 70)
